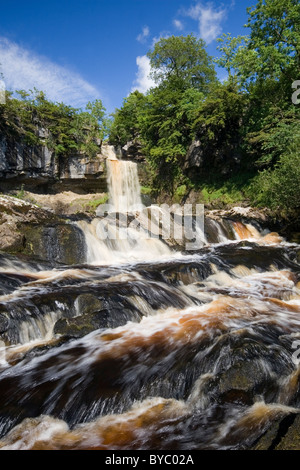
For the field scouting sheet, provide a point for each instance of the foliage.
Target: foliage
(182, 62)
(37, 121)
(125, 125)
(162, 120)
(275, 36)
(249, 119)
(21, 193)
(220, 114)
(279, 188)
(145, 190)
(97, 202)
(165, 130)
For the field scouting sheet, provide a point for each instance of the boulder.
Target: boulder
(28, 229)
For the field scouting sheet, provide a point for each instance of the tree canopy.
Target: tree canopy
(182, 61)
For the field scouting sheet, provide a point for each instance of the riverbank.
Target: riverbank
(72, 204)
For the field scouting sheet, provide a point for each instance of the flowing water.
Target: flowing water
(147, 346)
(123, 183)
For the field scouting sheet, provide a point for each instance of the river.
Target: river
(147, 346)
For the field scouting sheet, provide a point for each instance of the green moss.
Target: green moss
(145, 190)
(97, 202)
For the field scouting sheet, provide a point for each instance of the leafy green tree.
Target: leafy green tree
(184, 73)
(98, 113)
(271, 50)
(183, 62)
(166, 132)
(265, 64)
(236, 58)
(275, 37)
(126, 120)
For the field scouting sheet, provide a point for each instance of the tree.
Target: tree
(279, 188)
(126, 125)
(271, 51)
(266, 63)
(237, 59)
(97, 112)
(68, 130)
(275, 36)
(183, 62)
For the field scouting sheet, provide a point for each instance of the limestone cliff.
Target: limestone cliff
(37, 167)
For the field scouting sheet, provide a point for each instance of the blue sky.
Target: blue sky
(81, 50)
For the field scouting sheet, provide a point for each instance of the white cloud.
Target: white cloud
(144, 34)
(24, 70)
(143, 81)
(209, 19)
(178, 24)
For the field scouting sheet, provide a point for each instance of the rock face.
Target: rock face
(21, 161)
(30, 230)
(38, 168)
(201, 159)
(132, 151)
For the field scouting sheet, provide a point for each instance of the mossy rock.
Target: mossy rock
(89, 318)
(63, 243)
(87, 304)
(282, 434)
(80, 326)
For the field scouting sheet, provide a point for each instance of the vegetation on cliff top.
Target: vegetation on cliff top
(247, 126)
(35, 120)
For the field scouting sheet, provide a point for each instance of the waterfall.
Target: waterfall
(123, 183)
(112, 240)
(152, 344)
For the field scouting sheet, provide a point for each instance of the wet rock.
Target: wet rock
(62, 243)
(282, 434)
(240, 383)
(291, 440)
(245, 368)
(26, 228)
(133, 151)
(76, 327)
(4, 323)
(89, 318)
(88, 304)
(14, 213)
(9, 282)
(221, 156)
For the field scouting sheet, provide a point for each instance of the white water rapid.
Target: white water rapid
(146, 345)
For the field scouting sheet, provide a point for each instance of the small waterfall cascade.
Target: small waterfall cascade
(112, 239)
(123, 183)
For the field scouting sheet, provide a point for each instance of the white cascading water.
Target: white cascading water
(123, 184)
(110, 242)
(124, 243)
